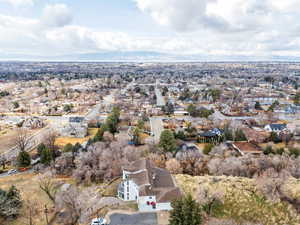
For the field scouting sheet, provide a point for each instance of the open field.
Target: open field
(62, 141)
(7, 137)
(28, 184)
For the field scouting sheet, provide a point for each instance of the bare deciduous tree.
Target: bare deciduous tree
(47, 185)
(67, 200)
(49, 140)
(104, 161)
(209, 198)
(173, 166)
(22, 139)
(31, 209)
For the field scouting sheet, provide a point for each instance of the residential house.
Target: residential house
(152, 188)
(275, 127)
(213, 135)
(76, 127)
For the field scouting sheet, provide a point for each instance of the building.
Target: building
(275, 127)
(214, 135)
(76, 127)
(152, 188)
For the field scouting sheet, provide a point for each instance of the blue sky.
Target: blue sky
(256, 28)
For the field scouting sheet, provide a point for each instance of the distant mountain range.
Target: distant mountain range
(142, 56)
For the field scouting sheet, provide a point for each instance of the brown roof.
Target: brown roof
(140, 178)
(141, 164)
(247, 147)
(153, 181)
(253, 135)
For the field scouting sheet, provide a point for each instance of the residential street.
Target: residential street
(156, 127)
(138, 219)
(160, 101)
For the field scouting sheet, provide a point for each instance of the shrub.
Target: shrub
(268, 150)
(207, 148)
(294, 152)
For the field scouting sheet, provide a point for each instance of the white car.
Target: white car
(98, 221)
(10, 172)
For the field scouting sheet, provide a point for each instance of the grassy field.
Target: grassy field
(241, 200)
(62, 141)
(7, 137)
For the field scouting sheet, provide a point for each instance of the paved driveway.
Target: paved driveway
(134, 219)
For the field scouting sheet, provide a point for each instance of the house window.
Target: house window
(127, 188)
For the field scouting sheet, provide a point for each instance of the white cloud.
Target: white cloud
(57, 15)
(19, 3)
(208, 27)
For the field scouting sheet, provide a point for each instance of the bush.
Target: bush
(68, 148)
(207, 148)
(268, 150)
(294, 152)
(180, 135)
(280, 151)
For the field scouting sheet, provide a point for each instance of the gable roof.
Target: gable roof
(246, 147)
(275, 126)
(153, 180)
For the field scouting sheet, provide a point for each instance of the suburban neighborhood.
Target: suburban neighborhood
(126, 147)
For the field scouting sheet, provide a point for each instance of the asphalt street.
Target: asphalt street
(134, 219)
(156, 127)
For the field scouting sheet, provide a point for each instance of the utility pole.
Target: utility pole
(46, 214)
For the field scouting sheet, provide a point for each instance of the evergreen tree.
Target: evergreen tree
(274, 137)
(167, 141)
(100, 133)
(207, 148)
(41, 147)
(136, 136)
(10, 203)
(68, 148)
(297, 98)
(23, 159)
(46, 156)
(112, 120)
(180, 135)
(186, 211)
(257, 106)
(192, 110)
(228, 134)
(141, 125)
(240, 136)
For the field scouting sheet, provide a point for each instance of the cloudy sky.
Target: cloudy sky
(224, 28)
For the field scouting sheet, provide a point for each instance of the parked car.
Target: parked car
(23, 169)
(99, 221)
(12, 171)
